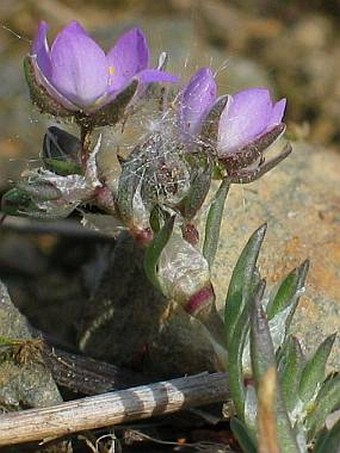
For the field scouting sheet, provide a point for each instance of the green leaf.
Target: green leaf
(289, 292)
(292, 363)
(242, 436)
(243, 282)
(263, 358)
(235, 351)
(261, 345)
(242, 287)
(328, 441)
(327, 400)
(63, 167)
(213, 223)
(154, 250)
(16, 202)
(313, 373)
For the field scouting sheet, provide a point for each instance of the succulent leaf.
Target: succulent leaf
(235, 351)
(328, 399)
(328, 441)
(313, 373)
(213, 223)
(243, 282)
(242, 436)
(291, 366)
(263, 359)
(289, 291)
(153, 252)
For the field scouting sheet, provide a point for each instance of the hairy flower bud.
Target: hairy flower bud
(184, 274)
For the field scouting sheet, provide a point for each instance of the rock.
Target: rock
(300, 201)
(25, 382)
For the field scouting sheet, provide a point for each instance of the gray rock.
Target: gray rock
(25, 382)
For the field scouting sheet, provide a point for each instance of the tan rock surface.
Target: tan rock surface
(300, 201)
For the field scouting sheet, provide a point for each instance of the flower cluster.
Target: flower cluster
(199, 136)
(156, 194)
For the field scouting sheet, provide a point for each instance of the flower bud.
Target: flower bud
(184, 275)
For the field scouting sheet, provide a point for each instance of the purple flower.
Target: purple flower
(78, 74)
(235, 130)
(248, 115)
(196, 100)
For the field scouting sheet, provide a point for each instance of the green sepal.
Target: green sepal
(209, 132)
(130, 181)
(39, 95)
(214, 221)
(201, 170)
(313, 373)
(154, 250)
(242, 436)
(111, 113)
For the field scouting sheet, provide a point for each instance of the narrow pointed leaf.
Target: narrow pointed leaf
(327, 400)
(289, 291)
(329, 441)
(243, 282)
(235, 351)
(243, 438)
(261, 345)
(154, 251)
(313, 373)
(263, 358)
(291, 372)
(213, 223)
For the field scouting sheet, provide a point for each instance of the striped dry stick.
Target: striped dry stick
(112, 408)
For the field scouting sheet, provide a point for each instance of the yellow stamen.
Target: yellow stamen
(112, 70)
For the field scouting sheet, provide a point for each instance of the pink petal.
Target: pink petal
(127, 58)
(41, 50)
(246, 116)
(196, 99)
(278, 112)
(79, 67)
(155, 75)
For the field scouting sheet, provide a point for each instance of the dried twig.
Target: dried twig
(112, 408)
(82, 374)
